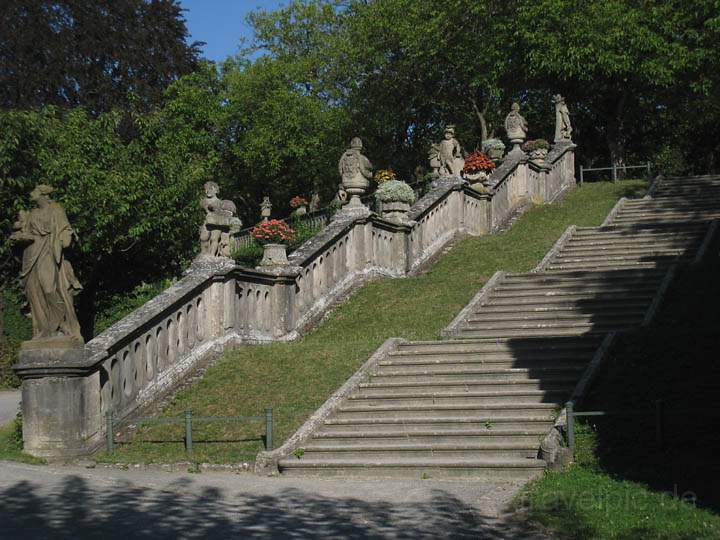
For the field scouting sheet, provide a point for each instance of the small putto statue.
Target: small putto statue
(219, 225)
(47, 277)
(356, 172)
(450, 154)
(563, 129)
(265, 209)
(516, 127)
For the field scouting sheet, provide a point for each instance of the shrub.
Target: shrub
(395, 191)
(298, 201)
(537, 144)
(384, 175)
(492, 144)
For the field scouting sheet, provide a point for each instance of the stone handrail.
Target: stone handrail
(148, 353)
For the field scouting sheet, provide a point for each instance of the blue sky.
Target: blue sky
(221, 23)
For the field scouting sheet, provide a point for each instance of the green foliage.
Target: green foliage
(249, 256)
(16, 328)
(492, 144)
(395, 191)
(117, 306)
(537, 144)
(11, 445)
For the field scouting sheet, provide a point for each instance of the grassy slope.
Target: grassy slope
(619, 486)
(295, 378)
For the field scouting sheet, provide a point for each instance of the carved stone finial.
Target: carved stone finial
(563, 129)
(356, 172)
(219, 225)
(47, 277)
(516, 127)
(265, 208)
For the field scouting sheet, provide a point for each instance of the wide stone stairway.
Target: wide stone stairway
(477, 405)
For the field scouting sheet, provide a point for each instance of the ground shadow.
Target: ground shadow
(74, 509)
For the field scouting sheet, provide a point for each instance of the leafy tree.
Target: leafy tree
(98, 54)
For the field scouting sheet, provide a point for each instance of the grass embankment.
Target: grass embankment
(624, 485)
(11, 443)
(296, 378)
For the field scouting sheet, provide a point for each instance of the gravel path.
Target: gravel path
(74, 502)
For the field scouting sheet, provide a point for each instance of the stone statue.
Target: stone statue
(220, 223)
(516, 127)
(450, 154)
(341, 196)
(265, 208)
(434, 159)
(314, 202)
(47, 277)
(356, 172)
(563, 129)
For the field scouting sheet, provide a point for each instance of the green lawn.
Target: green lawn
(11, 443)
(623, 485)
(295, 378)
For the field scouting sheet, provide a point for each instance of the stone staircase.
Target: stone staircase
(479, 404)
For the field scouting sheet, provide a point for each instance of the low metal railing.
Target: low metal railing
(188, 419)
(659, 413)
(614, 170)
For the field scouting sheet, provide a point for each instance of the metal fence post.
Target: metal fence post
(268, 429)
(109, 431)
(649, 173)
(582, 175)
(188, 432)
(659, 421)
(614, 172)
(570, 427)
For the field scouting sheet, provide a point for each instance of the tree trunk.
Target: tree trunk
(614, 137)
(481, 118)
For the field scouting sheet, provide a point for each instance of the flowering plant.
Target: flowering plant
(384, 175)
(537, 144)
(274, 231)
(395, 191)
(298, 201)
(477, 161)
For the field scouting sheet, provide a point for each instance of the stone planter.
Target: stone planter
(356, 187)
(475, 176)
(539, 155)
(300, 211)
(395, 211)
(274, 255)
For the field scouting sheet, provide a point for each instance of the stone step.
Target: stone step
(521, 382)
(587, 320)
(698, 216)
(620, 295)
(579, 316)
(473, 346)
(620, 259)
(613, 265)
(614, 250)
(459, 397)
(533, 332)
(594, 280)
(521, 355)
(621, 276)
(408, 424)
(497, 450)
(531, 436)
(572, 289)
(469, 375)
(487, 469)
(500, 411)
(444, 367)
(646, 230)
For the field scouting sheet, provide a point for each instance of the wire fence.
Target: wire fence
(614, 169)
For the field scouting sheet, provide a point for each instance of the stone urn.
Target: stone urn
(300, 211)
(396, 211)
(538, 155)
(274, 255)
(475, 176)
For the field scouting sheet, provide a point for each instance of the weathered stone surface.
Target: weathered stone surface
(563, 129)
(516, 127)
(47, 277)
(219, 225)
(356, 172)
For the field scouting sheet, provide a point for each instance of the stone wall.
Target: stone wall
(148, 353)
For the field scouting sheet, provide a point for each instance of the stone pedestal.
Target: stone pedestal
(274, 255)
(356, 188)
(61, 407)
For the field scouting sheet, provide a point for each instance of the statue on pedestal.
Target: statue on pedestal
(563, 129)
(219, 225)
(356, 172)
(47, 277)
(516, 127)
(450, 154)
(314, 202)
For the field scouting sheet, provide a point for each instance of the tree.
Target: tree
(99, 54)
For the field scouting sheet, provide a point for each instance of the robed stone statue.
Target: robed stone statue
(47, 277)
(563, 129)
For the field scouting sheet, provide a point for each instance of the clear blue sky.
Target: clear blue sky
(221, 23)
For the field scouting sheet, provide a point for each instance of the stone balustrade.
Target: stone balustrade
(148, 353)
